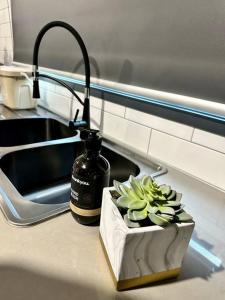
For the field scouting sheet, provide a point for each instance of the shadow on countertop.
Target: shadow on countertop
(20, 283)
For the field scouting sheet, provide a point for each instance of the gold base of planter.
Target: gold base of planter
(139, 281)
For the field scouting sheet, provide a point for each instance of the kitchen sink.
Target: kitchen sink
(36, 158)
(40, 174)
(35, 182)
(15, 132)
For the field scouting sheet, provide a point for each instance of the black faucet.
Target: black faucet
(75, 124)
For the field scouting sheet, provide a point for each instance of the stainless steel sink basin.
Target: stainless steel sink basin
(39, 173)
(15, 132)
(35, 182)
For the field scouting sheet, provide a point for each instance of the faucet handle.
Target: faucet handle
(78, 124)
(76, 115)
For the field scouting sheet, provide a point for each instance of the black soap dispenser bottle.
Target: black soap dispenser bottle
(90, 174)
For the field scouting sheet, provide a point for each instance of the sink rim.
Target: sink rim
(7, 149)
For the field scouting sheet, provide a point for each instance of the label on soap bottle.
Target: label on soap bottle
(86, 195)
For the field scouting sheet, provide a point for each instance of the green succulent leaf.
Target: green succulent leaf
(169, 218)
(123, 201)
(130, 223)
(172, 195)
(124, 189)
(158, 220)
(146, 181)
(166, 210)
(165, 189)
(152, 209)
(137, 215)
(136, 186)
(138, 204)
(131, 193)
(149, 197)
(135, 183)
(161, 197)
(184, 217)
(172, 203)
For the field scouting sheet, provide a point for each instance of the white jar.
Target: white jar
(16, 87)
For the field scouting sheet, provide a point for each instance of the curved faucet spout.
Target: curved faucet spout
(36, 93)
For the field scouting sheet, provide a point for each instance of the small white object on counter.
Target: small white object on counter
(16, 87)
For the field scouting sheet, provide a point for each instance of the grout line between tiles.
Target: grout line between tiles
(187, 140)
(192, 134)
(207, 147)
(190, 142)
(125, 110)
(150, 137)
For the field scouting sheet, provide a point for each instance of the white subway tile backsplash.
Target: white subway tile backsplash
(9, 57)
(4, 15)
(167, 126)
(5, 30)
(209, 140)
(56, 103)
(2, 55)
(199, 161)
(62, 91)
(131, 134)
(2, 44)
(107, 106)
(114, 108)
(9, 44)
(6, 56)
(47, 85)
(96, 118)
(96, 102)
(5, 44)
(61, 105)
(3, 4)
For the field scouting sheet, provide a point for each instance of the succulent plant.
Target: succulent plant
(145, 203)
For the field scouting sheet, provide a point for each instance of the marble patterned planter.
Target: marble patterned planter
(138, 256)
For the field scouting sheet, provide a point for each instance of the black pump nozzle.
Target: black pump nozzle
(92, 138)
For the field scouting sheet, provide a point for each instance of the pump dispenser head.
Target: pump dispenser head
(92, 138)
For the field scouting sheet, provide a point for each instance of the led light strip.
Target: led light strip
(145, 99)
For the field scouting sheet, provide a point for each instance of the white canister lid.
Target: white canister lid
(13, 71)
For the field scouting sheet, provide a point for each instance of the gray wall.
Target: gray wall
(176, 46)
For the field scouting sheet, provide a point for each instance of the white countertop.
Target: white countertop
(61, 259)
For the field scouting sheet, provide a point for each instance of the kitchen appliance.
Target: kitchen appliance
(16, 87)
